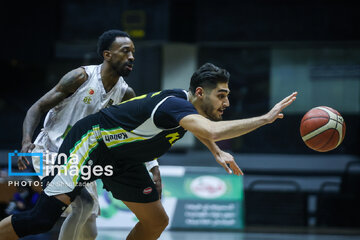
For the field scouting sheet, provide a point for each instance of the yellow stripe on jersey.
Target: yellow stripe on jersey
(80, 146)
(139, 97)
(77, 146)
(92, 147)
(134, 98)
(118, 136)
(154, 94)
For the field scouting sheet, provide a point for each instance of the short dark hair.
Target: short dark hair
(107, 38)
(208, 76)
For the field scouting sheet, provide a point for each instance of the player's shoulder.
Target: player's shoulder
(175, 98)
(71, 81)
(91, 69)
(179, 93)
(78, 74)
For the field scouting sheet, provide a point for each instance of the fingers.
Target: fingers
(158, 188)
(21, 163)
(286, 102)
(236, 168)
(32, 146)
(289, 98)
(226, 167)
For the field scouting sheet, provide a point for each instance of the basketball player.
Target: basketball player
(135, 131)
(81, 92)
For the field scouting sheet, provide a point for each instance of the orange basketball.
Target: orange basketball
(322, 129)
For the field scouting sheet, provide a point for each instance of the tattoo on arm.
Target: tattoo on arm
(129, 94)
(68, 84)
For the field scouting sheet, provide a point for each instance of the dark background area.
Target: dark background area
(41, 42)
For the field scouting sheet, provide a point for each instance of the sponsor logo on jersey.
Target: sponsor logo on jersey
(147, 190)
(110, 103)
(91, 91)
(87, 100)
(115, 137)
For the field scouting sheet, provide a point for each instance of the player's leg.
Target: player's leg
(82, 144)
(81, 209)
(132, 184)
(39, 219)
(89, 228)
(152, 220)
(7, 231)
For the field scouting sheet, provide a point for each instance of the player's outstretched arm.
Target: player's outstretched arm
(216, 131)
(226, 160)
(67, 85)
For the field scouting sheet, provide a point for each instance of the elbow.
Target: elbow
(204, 133)
(36, 109)
(215, 136)
(215, 132)
(211, 134)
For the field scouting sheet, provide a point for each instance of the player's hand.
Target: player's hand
(157, 179)
(227, 161)
(275, 112)
(22, 163)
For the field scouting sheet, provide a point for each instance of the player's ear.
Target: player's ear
(106, 54)
(199, 92)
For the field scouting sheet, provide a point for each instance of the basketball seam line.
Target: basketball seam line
(336, 120)
(331, 136)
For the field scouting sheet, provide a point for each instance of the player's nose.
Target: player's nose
(131, 57)
(226, 103)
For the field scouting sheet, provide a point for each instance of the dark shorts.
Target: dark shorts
(130, 181)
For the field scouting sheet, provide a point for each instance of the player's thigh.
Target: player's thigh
(131, 183)
(149, 212)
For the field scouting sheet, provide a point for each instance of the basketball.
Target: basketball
(322, 129)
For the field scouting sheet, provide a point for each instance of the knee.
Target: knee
(164, 221)
(159, 223)
(90, 229)
(83, 202)
(91, 234)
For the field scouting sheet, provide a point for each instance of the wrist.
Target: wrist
(265, 119)
(26, 139)
(151, 164)
(155, 169)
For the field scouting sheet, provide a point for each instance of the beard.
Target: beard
(122, 70)
(210, 112)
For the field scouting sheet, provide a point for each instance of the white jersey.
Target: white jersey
(89, 98)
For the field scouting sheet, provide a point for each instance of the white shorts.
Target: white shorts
(48, 165)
